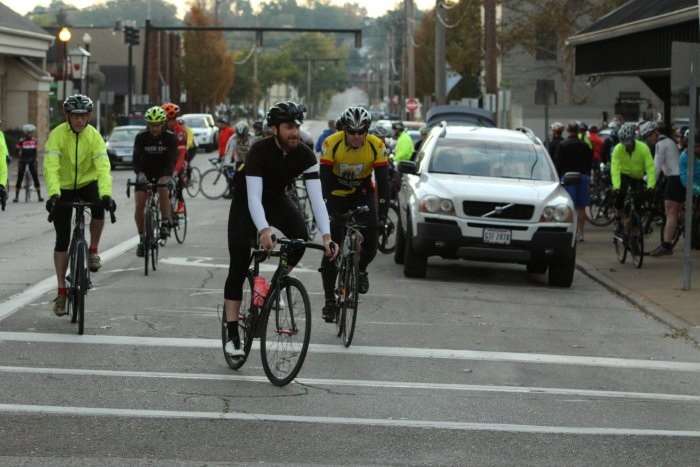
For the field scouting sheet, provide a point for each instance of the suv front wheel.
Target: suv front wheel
(561, 270)
(415, 264)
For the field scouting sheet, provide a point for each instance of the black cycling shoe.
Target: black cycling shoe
(330, 310)
(363, 282)
(164, 230)
(140, 249)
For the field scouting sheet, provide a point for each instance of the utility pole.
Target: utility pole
(440, 61)
(410, 41)
(490, 46)
(308, 83)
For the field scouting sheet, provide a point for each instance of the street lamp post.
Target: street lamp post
(64, 36)
(87, 40)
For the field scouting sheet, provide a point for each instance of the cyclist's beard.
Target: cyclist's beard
(288, 144)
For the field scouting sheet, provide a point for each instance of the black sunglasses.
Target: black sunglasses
(356, 132)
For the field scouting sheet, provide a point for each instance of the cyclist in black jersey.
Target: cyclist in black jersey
(155, 154)
(261, 202)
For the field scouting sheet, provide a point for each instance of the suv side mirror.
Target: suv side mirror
(571, 178)
(408, 167)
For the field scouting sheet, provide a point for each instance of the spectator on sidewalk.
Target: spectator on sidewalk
(666, 162)
(574, 155)
(557, 130)
(325, 134)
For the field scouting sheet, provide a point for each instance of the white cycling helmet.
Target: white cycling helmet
(627, 132)
(557, 126)
(647, 128)
(28, 128)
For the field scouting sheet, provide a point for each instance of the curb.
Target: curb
(680, 327)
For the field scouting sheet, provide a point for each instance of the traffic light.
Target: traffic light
(131, 35)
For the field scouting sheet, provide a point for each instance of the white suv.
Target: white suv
(486, 194)
(204, 130)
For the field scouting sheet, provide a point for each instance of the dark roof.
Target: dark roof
(10, 19)
(636, 10)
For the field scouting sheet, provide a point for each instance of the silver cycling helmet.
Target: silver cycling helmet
(647, 128)
(356, 119)
(627, 132)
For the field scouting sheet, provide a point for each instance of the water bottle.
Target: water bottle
(260, 289)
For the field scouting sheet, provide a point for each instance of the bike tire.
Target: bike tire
(279, 326)
(350, 305)
(194, 184)
(387, 237)
(72, 302)
(147, 240)
(340, 294)
(180, 226)
(620, 249)
(213, 184)
(600, 215)
(680, 230)
(155, 235)
(247, 320)
(635, 242)
(80, 282)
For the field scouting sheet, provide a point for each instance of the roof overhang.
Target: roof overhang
(24, 43)
(667, 19)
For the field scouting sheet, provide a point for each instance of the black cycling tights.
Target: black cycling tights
(242, 233)
(62, 214)
(21, 168)
(338, 206)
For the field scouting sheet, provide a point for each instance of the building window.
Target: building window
(545, 43)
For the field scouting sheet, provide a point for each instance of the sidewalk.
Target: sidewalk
(655, 288)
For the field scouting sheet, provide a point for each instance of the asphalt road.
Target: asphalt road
(476, 365)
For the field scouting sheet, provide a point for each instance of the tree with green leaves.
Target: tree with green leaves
(463, 53)
(207, 65)
(541, 28)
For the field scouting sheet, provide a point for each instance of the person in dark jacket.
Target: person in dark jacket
(557, 130)
(575, 155)
(610, 142)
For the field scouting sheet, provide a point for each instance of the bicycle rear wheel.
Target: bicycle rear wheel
(213, 184)
(349, 312)
(635, 241)
(387, 236)
(180, 225)
(246, 325)
(287, 330)
(194, 182)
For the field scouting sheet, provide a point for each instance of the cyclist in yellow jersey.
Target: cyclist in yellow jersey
(350, 156)
(3, 168)
(76, 168)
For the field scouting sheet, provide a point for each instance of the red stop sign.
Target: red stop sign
(411, 104)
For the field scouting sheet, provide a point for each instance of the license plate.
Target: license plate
(497, 237)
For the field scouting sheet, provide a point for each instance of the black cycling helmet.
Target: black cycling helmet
(286, 112)
(257, 125)
(356, 119)
(397, 126)
(78, 104)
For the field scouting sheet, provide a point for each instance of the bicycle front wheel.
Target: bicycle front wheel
(213, 184)
(349, 312)
(246, 326)
(194, 182)
(635, 241)
(80, 282)
(286, 333)
(620, 249)
(387, 237)
(180, 226)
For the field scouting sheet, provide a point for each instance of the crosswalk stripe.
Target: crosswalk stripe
(25, 409)
(376, 351)
(545, 391)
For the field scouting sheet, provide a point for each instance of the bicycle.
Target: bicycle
(151, 222)
(216, 181)
(284, 334)
(178, 222)
(194, 181)
(601, 211)
(300, 197)
(680, 226)
(632, 239)
(78, 277)
(348, 263)
(387, 228)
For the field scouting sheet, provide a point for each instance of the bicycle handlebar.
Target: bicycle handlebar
(293, 243)
(152, 185)
(352, 213)
(78, 204)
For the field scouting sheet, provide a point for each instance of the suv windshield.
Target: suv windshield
(124, 135)
(486, 158)
(196, 122)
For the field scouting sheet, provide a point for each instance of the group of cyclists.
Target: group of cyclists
(640, 157)
(352, 164)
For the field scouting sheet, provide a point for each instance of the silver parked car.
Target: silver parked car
(120, 144)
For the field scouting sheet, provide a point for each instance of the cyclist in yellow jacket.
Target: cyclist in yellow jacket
(76, 167)
(3, 169)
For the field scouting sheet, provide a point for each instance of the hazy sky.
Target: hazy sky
(374, 7)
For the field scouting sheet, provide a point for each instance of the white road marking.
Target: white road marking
(199, 262)
(547, 391)
(111, 271)
(352, 421)
(24, 298)
(401, 352)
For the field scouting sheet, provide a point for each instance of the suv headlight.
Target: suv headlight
(557, 213)
(435, 205)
